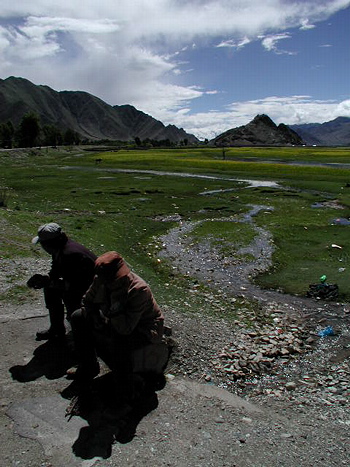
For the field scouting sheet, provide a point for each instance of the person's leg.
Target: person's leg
(84, 344)
(72, 302)
(129, 385)
(54, 303)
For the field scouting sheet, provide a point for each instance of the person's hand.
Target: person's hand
(38, 281)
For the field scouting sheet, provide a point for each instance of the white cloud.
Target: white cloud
(343, 108)
(229, 43)
(305, 25)
(234, 44)
(127, 52)
(270, 43)
(289, 110)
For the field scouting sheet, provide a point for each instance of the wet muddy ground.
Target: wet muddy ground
(314, 364)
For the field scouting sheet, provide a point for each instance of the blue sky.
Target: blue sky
(203, 65)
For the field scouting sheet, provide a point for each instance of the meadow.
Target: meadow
(131, 197)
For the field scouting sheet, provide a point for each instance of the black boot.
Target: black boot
(51, 334)
(84, 345)
(57, 329)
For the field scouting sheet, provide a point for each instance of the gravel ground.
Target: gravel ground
(284, 365)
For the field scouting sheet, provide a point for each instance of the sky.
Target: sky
(202, 65)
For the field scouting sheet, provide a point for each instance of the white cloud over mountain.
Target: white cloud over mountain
(131, 53)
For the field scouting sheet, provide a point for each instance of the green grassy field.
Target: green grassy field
(106, 209)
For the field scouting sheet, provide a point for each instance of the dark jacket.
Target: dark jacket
(75, 264)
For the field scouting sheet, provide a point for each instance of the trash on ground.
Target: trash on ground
(328, 331)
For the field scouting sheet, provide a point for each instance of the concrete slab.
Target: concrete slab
(43, 419)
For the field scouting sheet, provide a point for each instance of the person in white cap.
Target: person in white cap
(72, 272)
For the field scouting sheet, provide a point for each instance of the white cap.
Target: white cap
(47, 232)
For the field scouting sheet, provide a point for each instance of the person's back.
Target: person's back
(75, 264)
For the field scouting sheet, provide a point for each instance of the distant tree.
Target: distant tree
(52, 136)
(137, 141)
(7, 132)
(70, 137)
(29, 130)
(77, 138)
(185, 141)
(2, 135)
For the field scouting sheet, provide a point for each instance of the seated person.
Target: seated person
(120, 322)
(72, 272)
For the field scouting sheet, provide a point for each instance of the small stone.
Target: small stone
(286, 435)
(291, 386)
(246, 420)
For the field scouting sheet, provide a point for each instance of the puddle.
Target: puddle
(340, 221)
(328, 204)
(213, 192)
(256, 183)
(251, 183)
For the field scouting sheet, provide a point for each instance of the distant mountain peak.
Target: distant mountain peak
(261, 131)
(263, 119)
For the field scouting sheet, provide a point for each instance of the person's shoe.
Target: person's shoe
(50, 334)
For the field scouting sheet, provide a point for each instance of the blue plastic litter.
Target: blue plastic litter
(328, 331)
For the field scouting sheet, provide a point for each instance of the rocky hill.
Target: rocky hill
(261, 131)
(81, 112)
(333, 133)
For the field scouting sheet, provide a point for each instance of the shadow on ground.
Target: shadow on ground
(112, 412)
(51, 359)
(112, 408)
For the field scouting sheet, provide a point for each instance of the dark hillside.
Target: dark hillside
(81, 112)
(333, 133)
(261, 131)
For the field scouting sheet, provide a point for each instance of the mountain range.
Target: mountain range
(87, 115)
(333, 133)
(95, 120)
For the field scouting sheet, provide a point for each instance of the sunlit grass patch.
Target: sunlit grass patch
(226, 236)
